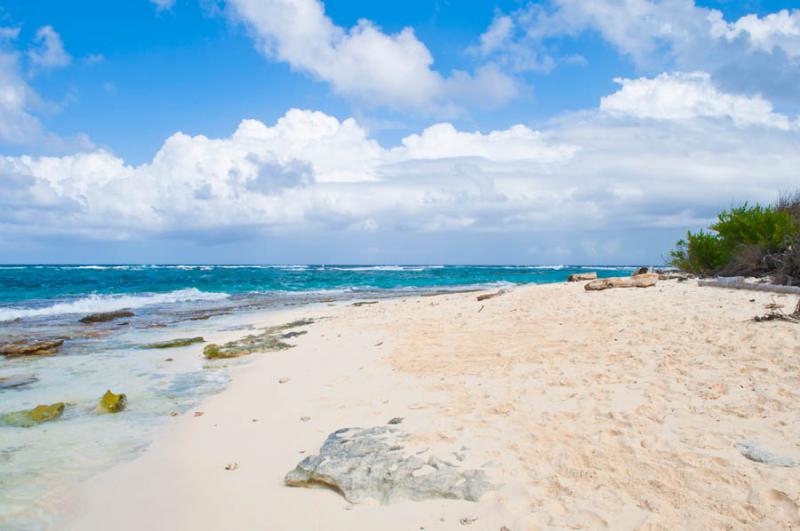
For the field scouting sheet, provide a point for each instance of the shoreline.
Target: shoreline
(585, 409)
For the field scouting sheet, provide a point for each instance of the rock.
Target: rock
(283, 380)
(486, 296)
(31, 417)
(577, 277)
(363, 463)
(36, 347)
(756, 453)
(269, 340)
(620, 282)
(104, 317)
(112, 403)
(173, 343)
(640, 271)
(17, 380)
(364, 303)
(395, 420)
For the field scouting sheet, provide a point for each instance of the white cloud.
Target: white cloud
(363, 63)
(48, 50)
(311, 172)
(161, 5)
(751, 54)
(20, 103)
(685, 96)
(776, 31)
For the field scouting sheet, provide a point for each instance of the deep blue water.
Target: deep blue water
(37, 290)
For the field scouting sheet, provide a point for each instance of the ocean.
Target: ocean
(38, 464)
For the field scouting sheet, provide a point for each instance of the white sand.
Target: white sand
(617, 409)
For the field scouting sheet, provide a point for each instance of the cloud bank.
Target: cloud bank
(660, 153)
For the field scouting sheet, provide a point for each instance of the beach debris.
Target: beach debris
(754, 452)
(305, 419)
(174, 343)
(173, 413)
(487, 296)
(283, 380)
(577, 277)
(34, 347)
(395, 420)
(112, 402)
(377, 463)
(468, 520)
(267, 341)
(232, 466)
(104, 317)
(198, 413)
(290, 335)
(642, 281)
(31, 417)
(776, 314)
(17, 380)
(169, 359)
(364, 303)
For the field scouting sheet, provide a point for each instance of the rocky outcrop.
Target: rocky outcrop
(269, 340)
(31, 417)
(106, 316)
(37, 347)
(174, 343)
(17, 380)
(377, 463)
(577, 277)
(112, 402)
(640, 271)
(640, 281)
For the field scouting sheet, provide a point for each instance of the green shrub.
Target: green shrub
(743, 241)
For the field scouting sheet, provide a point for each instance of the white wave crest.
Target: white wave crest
(110, 303)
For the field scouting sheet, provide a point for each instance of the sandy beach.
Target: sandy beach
(621, 409)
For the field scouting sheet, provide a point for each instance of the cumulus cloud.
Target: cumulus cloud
(686, 96)
(364, 63)
(659, 154)
(753, 54)
(48, 50)
(20, 103)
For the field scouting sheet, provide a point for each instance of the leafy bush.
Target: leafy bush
(746, 240)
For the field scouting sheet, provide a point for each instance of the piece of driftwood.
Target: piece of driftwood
(739, 283)
(577, 277)
(487, 296)
(641, 281)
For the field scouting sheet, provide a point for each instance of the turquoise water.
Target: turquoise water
(39, 464)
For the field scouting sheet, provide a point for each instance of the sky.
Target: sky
(438, 131)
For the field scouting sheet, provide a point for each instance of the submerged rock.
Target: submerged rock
(32, 417)
(35, 347)
(17, 380)
(112, 403)
(267, 341)
(363, 463)
(104, 317)
(577, 277)
(173, 343)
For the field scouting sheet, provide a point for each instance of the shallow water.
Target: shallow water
(38, 464)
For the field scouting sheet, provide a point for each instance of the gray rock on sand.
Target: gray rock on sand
(754, 452)
(363, 463)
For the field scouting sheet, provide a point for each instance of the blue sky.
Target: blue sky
(450, 131)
